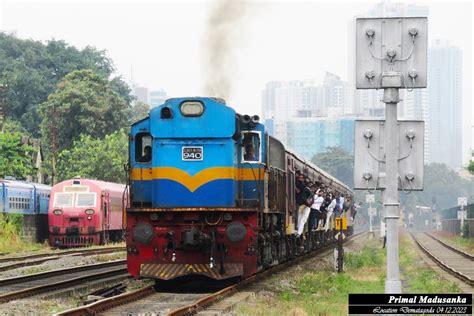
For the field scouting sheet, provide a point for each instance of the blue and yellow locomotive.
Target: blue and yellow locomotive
(211, 193)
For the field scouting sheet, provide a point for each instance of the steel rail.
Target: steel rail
(457, 250)
(109, 303)
(215, 297)
(442, 265)
(35, 290)
(125, 298)
(55, 256)
(77, 252)
(46, 274)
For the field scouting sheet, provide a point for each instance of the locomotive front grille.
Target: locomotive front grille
(72, 230)
(174, 270)
(79, 240)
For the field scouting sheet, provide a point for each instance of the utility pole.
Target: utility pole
(53, 131)
(370, 198)
(462, 203)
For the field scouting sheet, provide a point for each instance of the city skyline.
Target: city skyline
(138, 37)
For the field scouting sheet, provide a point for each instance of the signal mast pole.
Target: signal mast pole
(391, 205)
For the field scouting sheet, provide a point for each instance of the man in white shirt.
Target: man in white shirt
(330, 212)
(314, 215)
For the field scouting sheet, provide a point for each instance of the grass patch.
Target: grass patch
(34, 269)
(324, 292)
(465, 244)
(419, 278)
(11, 226)
(110, 257)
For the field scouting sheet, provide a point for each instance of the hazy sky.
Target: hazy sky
(162, 42)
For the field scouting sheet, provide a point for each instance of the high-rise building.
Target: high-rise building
(157, 98)
(282, 100)
(311, 136)
(141, 93)
(290, 101)
(445, 104)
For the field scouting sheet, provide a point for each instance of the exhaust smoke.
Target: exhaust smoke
(222, 38)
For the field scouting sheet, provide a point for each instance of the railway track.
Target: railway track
(39, 283)
(461, 252)
(149, 300)
(31, 260)
(450, 259)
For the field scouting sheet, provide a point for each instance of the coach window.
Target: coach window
(251, 147)
(143, 147)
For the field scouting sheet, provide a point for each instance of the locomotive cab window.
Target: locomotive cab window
(85, 199)
(251, 147)
(143, 148)
(63, 200)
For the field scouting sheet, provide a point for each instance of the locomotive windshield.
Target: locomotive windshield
(63, 200)
(85, 199)
(251, 147)
(143, 149)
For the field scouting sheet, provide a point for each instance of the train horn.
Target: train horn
(255, 119)
(245, 119)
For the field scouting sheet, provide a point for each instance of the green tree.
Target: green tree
(32, 70)
(83, 103)
(442, 187)
(337, 162)
(470, 166)
(139, 111)
(96, 158)
(15, 157)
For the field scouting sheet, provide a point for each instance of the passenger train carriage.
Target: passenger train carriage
(212, 194)
(29, 200)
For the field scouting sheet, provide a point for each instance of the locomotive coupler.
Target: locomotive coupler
(221, 248)
(213, 248)
(171, 245)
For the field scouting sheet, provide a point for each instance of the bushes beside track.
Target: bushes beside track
(11, 229)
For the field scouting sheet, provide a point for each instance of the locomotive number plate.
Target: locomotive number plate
(194, 153)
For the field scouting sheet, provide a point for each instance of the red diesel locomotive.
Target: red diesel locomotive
(86, 212)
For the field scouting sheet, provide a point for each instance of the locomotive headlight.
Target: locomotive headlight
(192, 108)
(236, 231)
(89, 212)
(57, 212)
(143, 233)
(89, 217)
